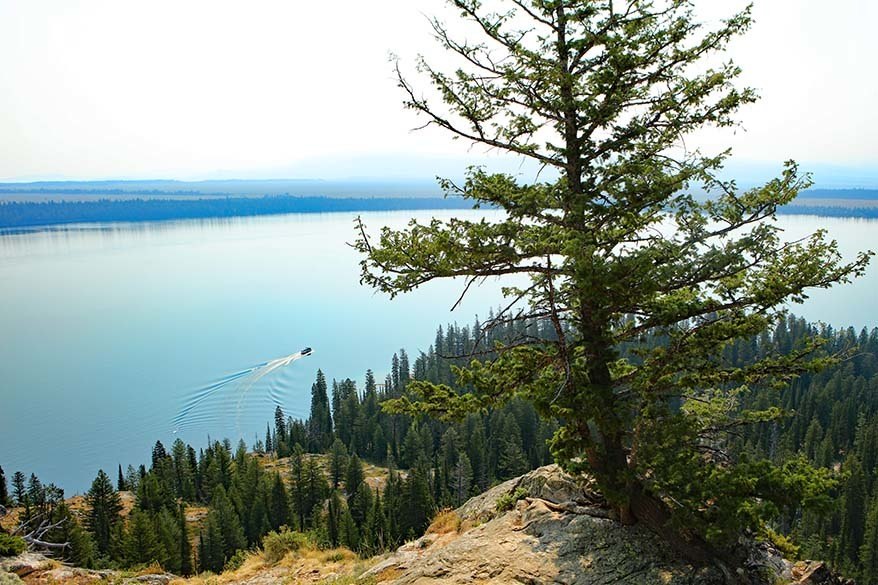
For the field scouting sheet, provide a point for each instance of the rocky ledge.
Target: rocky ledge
(558, 530)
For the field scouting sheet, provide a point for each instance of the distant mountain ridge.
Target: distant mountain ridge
(169, 188)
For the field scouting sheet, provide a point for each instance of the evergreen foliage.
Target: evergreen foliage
(4, 490)
(643, 284)
(831, 420)
(104, 507)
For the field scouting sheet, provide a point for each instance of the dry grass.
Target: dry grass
(445, 522)
(307, 565)
(153, 569)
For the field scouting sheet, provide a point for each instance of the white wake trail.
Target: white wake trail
(198, 407)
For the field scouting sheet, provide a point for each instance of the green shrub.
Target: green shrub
(782, 543)
(507, 501)
(11, 545)
(276, 545)
(236, 560)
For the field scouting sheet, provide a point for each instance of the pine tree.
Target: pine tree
(418, 501)
(511, 459)
(184, 481)
(36, 495)
(140, 544)
(104, 507)
(4, 490)
(185, 546)
(298, 485)
(131, 478)
(853, 518)
(338, 462)
(461, 478)
(354, 475)
(159, 454)
(228, 522)
(167, 527)
(80, 551)
(120, 481)
(212, 547)
(316, 487)
(18, 489)
(349, 535)
(279, 514)
(360, 504)
(333, 519)
(320, 422)
(280, 426)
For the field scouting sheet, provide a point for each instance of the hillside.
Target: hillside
(543, 527)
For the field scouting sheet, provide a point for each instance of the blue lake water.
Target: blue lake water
(106, 330)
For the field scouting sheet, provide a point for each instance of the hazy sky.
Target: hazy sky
(200, 89)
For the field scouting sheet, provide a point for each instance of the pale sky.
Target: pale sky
(193, 89)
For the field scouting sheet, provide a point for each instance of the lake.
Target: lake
(107, 330)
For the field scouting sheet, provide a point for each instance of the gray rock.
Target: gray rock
(548, 483)
(559, 532)
(24, 564)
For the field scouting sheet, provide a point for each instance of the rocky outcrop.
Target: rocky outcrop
(37, 568)
(558, 531)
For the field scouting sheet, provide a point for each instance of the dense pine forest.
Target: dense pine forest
(20, 214)
(320, 488)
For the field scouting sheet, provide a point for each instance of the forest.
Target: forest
(22, 214)
(320, 489)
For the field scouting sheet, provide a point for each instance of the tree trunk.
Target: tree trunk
(656, 515)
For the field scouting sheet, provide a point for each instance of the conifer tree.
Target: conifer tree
(159, 454)
(185, 546)
(511, 459)
(36, 495)
(333, 519)
(18, 488)
(615, 250)
(349, 535)
(354, 475)
(4, 490)
(279, 511)
(280, 424)
(120, 481)
(212, 546)
(80, 551)
(316, 487)
(140, 545)
(184, 482)
(298, 485)
(104, 507)
(418, 500)
(338, 462)
(228, 523)
(320, 422)
(360, 504)
(853, 518)
(461, 478)
(131, 478)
